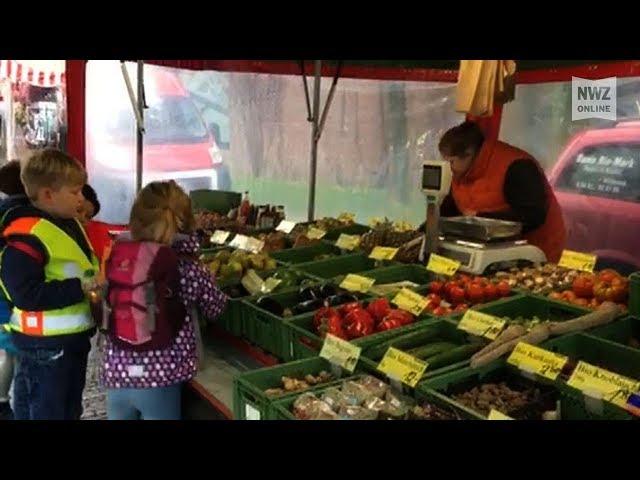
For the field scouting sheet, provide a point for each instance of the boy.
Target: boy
(47, 270)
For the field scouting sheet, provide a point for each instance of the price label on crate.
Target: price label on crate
(286, 226)
(537, 360)
(410, 301)
(315, 233)
(442, 265)
(401, 366)
(219, 237)
(348, 242)
(383, 253)
(254, 245)
(239, 242)
(481, 324)
(578, 261)
(270, 284)
(340, 352)
(600, 383)
(357, 283)
(496, 415)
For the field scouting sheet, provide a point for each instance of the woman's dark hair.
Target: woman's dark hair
(10, 183)
(458, 140)
(90, 194)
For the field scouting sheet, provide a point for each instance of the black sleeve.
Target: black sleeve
(524, 190)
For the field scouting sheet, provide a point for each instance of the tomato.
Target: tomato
(447, 289)
(434, 298)
(463, 307)
(583, 285)
(608, 275)
(436, 287)
(504, 290)
(457, 295)
(556, 296)
(464, 278)
(474, 293)
(442, 312)
(594, 303)
(615, 290)
(491, 292)
(569, 296)
(581, 302)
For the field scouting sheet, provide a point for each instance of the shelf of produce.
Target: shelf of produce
(225, 357)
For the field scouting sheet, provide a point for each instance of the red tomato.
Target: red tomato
(504, 290)
(583, 285)
(491, 292)
(434, 299)
(436, 287)
(474, 293)
(457, 295)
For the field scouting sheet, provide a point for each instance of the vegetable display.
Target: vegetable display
(227, 264)
(292, 384)
(462, 291)
(385, 233)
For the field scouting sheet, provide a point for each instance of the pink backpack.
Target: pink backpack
(142, 309)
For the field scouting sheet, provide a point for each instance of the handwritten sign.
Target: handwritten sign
(496, 415)
(239, 242)
(348, 242)
(442, 265)
(410, 301)
(601, 383)
(537, 360)
(401, 366)
(315, 233)
(578, 261)
(481, 324)
(254, 245)
(383, 253)
(357, 283)
(219, 237)
(286, 226)
(340, 352)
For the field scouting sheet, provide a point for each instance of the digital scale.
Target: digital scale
(481, 245)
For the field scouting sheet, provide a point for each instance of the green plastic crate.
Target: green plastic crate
(397, 273)
(446, 331)
(308, 254)
(270, 331)
(601, 353)
(456, 382)
(249, 399)
(621, 331)
(634, 294)
(339, 266)
(304, 342)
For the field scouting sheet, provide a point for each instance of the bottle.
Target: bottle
(245, 209)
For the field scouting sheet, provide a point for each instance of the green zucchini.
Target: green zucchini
(402, 342)
(431, 349)
(455, 355)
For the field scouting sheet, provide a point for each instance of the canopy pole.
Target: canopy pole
(327, 104)
(140, 129)
(314, 140)
(306, 91)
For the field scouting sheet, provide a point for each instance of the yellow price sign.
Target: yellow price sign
(252, 282)
(315, 233)
(357, 283)
(348, 242)
(537, 360)
(481, 324)
(219, 237)
(383, 253)
(340, 352)
(496, 415)
(286, 226)
(401, 366)
(442, 265)
(410, 301)
(610, 386)
(578, 261)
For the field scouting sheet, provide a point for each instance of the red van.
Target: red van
(178, 144)
(597, 182)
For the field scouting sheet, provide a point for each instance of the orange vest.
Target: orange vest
(481, 190)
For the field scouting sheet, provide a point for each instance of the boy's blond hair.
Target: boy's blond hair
(51, 168)
(161, 210)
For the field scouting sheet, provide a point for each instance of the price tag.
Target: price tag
(496, 415)
(537, 360)
(612, 387)
(315, 233)
(340, 352)
(251, 413)
(286, 226)
(410, 301)
(219, 237)
(347, 217)
(356, 283)
(270, 284)
(252, 282)
(442, 265)
(239, 242)
(577, 261)
(383, 253)
(481, 324)
(404, 367)
(254, 245)
(348, 242)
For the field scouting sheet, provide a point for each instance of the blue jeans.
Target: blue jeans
(160, 403)
(48, 383)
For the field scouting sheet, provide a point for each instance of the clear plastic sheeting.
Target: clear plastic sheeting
(593, 166)
(249, 132)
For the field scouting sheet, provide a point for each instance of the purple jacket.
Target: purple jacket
(123, 368)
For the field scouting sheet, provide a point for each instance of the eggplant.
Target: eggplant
(270, 305)
(327, 291)
(342, 299)
(308, 306)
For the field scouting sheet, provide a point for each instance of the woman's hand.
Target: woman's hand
(469, 213)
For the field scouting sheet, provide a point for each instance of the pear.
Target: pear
(214, 266)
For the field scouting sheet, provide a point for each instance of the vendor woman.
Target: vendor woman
(496, 180)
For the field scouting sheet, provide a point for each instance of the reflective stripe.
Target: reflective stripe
(48, 324)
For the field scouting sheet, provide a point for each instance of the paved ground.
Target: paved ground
(94, 398)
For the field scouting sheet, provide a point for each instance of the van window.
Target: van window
(609, 171)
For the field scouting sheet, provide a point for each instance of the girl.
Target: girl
(146, 383)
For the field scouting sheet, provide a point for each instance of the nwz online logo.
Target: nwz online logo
(593, 98)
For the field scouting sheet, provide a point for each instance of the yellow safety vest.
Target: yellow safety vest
(66, 260)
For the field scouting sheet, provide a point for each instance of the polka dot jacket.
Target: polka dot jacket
(121, 368)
